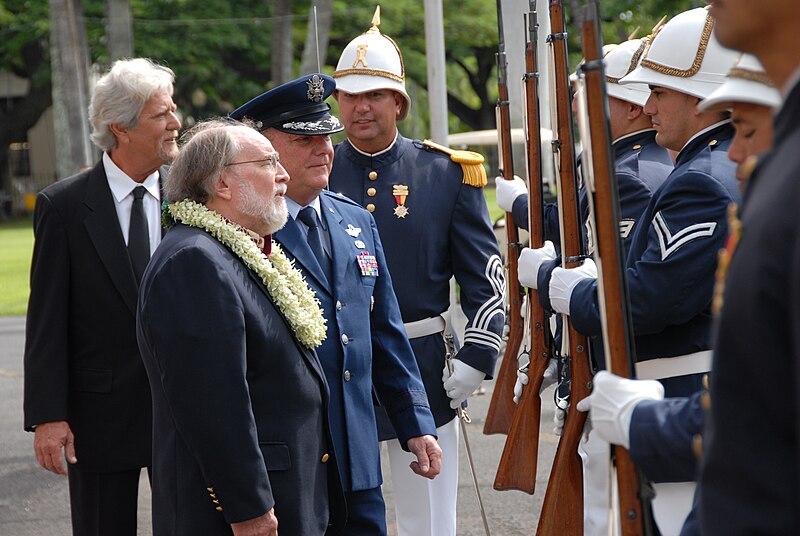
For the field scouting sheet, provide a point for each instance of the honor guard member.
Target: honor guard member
(640, 163)
(751, 467)
(672, 257)
(430, 210)
(335, 243)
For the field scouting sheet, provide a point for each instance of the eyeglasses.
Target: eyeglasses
(272, 161)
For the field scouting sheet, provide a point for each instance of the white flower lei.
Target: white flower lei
(284, 282)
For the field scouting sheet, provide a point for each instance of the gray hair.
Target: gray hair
(120, 95)
(206, 149)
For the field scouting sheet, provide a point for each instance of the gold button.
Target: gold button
(713, 142)
(210, 489)
(212, 495)
(371, 192)
(637, 147)
(371, 207)
(705, 401)
(325, 457)
(218, 509)
(373, 175)
(215, 501)
(697, 445)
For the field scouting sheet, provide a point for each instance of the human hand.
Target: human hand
(530, 260)
(265, 525)
(429, 456)
(462, 382)
(52, 442)
(560, 415)
(611, 404)
(508, 191)
(563, 282)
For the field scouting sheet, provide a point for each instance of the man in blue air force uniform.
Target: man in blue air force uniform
(335, 243)
(432, 216)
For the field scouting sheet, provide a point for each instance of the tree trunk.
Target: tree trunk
(119, 29)
(282, 42)
(70, 69)
(317, 37)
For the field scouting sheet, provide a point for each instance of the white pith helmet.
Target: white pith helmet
(373, 61)
(747, 82)
(685, 56)
(619, 61)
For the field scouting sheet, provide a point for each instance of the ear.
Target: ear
(695, 111)
(634, 111)
(398, 103)
(222, 186)
(119, 132)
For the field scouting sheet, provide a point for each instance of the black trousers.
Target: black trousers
(104, 504)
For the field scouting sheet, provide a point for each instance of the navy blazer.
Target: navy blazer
(239, 406)
(366, 343)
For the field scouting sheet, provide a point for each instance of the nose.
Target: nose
(650, 106)
(736, 150)
(174, 122)
(362, 104)
(281, 175)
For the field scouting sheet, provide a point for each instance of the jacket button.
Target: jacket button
(371, 192)
(218, 509)
(345, 339)
(373, 175)
(371, 207)
(347, 375)
(325, 458)
(339, 305)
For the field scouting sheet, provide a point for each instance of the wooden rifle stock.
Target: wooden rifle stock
(609, 254)
(562, 509)
(517, 469)
(501, 407)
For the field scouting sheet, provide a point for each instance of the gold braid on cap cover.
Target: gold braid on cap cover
(470, 161)
(752, 76)
(698, 58)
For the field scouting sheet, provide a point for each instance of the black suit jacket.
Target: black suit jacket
(82, 364)
(239, 406)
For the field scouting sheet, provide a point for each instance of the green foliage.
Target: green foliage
(16, 248)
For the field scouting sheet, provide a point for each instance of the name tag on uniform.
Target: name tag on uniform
(367, 263)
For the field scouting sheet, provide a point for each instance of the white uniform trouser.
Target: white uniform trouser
(596, 456)
(426, 507)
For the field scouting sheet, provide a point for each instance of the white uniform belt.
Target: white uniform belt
(425, 327)
(670, 367)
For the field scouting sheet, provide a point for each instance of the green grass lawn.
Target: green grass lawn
(16, 247)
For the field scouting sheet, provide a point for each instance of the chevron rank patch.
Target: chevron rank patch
(670, 243)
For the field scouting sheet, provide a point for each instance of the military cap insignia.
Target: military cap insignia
(400, 193)
(316, 88)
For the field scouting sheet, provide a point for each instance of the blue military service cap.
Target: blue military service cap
(296, 107)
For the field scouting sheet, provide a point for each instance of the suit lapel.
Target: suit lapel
(296, 246)
(102, 226)
(309, 355)
(341, 242)
(163, 172)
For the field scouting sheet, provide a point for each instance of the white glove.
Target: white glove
(508, 191)
(548, 378)
(530, 260)
(562, 407)
(612, 402)
(564, 280)
(462, 382)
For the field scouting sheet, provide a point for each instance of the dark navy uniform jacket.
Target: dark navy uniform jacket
(641, 166)
(446, 232)
(366, 343)
(673, 257)
(752, 466)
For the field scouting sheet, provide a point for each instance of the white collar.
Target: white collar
(294, 207)
(122, 185)
(396, 133)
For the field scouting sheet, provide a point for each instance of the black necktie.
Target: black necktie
(309, 216)
(138, 235)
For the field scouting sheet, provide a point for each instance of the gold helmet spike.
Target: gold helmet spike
(376, 21)
(634, 33)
